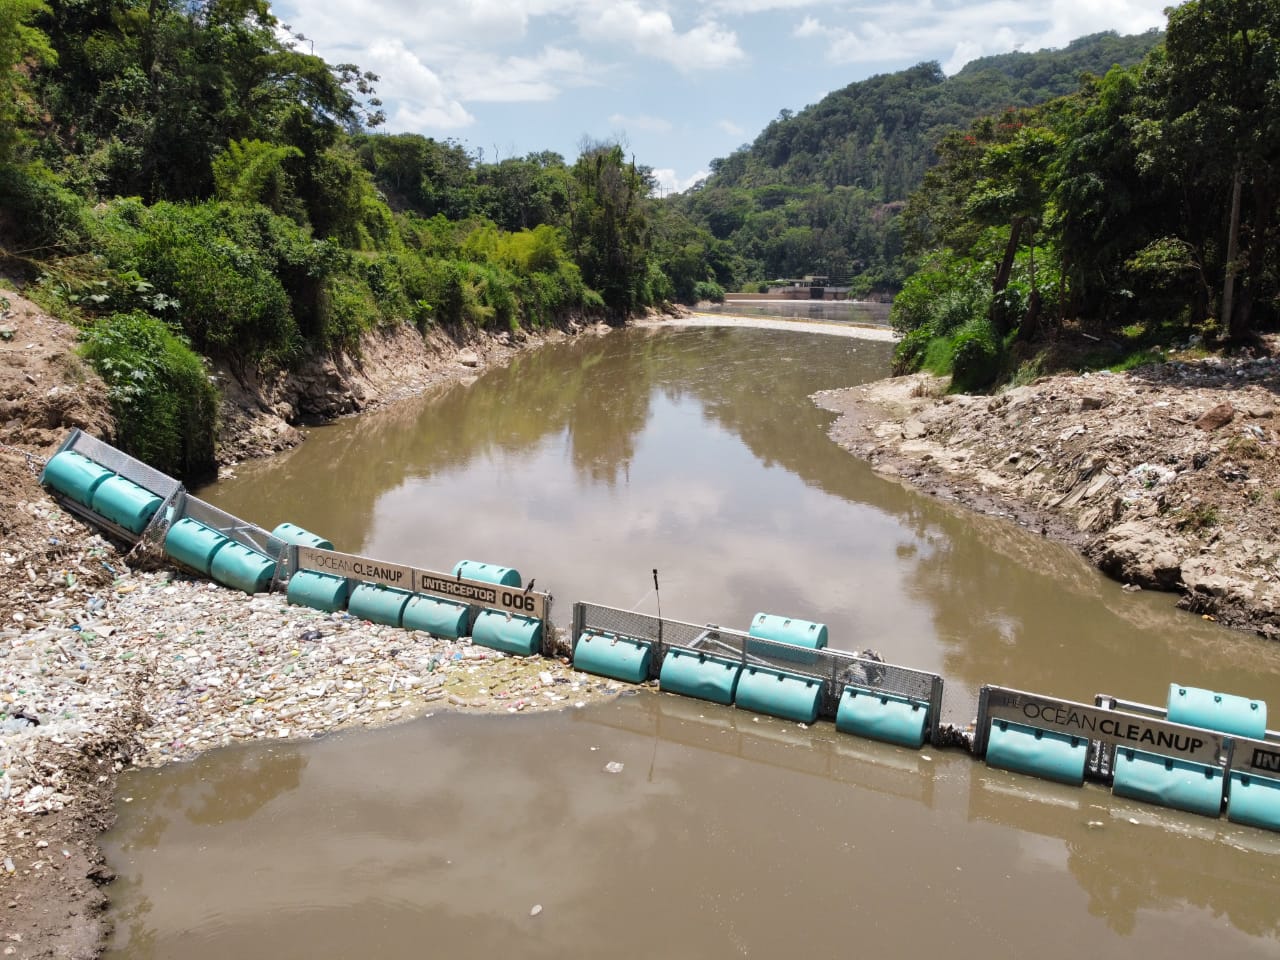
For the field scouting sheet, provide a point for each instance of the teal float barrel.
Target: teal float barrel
(319, 591)
(235, 565)
(779, 694)
(882, 716)
(378, 604)
(694, 674)
(803, 635)
(302, 538)
(192, 543)
(1253, 801)
(607, 655)
(513, 634)
(1168, 782)
(74, 475)
(1041, 753)
(124, 502)
(440, 618)
(487, 573)
(1222, 712)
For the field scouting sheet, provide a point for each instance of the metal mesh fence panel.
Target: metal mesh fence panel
(108, 456)
(248, 534)
(836, 667)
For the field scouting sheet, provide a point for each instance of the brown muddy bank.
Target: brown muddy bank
(1166, 477)
(105, 664)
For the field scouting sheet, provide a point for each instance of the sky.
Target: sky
(677, 82)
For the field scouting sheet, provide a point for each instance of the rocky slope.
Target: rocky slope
(1167, 477)
(107, 662)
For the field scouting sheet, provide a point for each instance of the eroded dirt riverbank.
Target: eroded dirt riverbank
(108, 661)
(1166, 477)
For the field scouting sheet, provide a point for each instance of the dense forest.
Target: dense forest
(820, 191)
(182, 181)
(1142, 207)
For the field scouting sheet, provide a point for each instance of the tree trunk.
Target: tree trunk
(1010, 251)
(1229, 321)
(999, 316)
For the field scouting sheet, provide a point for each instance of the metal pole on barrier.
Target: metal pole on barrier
(658, 596)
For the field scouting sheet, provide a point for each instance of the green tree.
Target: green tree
(22, 48)
(1221, 127)
(609, 225)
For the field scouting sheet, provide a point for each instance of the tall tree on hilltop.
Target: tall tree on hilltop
(1221, 131)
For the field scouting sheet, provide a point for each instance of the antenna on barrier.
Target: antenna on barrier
(658, 596)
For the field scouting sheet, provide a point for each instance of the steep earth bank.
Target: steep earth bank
(107, 662)
(1166, 477)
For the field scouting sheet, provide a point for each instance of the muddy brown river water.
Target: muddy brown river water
(697, 452)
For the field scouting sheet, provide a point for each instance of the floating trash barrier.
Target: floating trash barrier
(694, 673)
(488, 573)
(608, 655)
(1141, 751)
(507, 632)
(320, 591)
(779, 693)
(1217, 711)
(193, 544)
(378, 604)
(1041, 753)
(235, 565)
(883, 716)
(440, 618)
(772, 675)
(124, 502)
(1253, 800)
(290, 533)
(802, 635)
(74, 475)
(1168, 781)
(1203, 752)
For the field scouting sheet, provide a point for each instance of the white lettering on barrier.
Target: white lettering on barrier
(508, 599)
(1097, 724)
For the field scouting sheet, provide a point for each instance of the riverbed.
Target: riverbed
(656, 826)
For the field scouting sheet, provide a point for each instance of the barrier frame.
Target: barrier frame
(130, 468)
(834, 669)
(1120, 723)
(477, 595)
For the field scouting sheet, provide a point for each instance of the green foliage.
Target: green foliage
(250, 171)
(976, 356)
(215, 260)
(708, 290)
(40, 214)
(164, 404)
(821, 191)
(609, 226)
(22, 46)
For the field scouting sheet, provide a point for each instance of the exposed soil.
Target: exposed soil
(1166, 478)
(52, 874)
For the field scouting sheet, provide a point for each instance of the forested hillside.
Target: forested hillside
(182, 181)
(1142, 208)
(819, 191)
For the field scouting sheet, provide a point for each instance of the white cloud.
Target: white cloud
(422, 101)
(731, 128)
(669, 182)
(808, 27)
(641, 122)
(877, 33)
(521, 79)
(653, 33)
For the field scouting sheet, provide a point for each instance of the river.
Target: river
(696, 452)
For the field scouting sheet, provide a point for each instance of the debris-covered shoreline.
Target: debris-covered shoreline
(1166, 477)
(109, 661)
